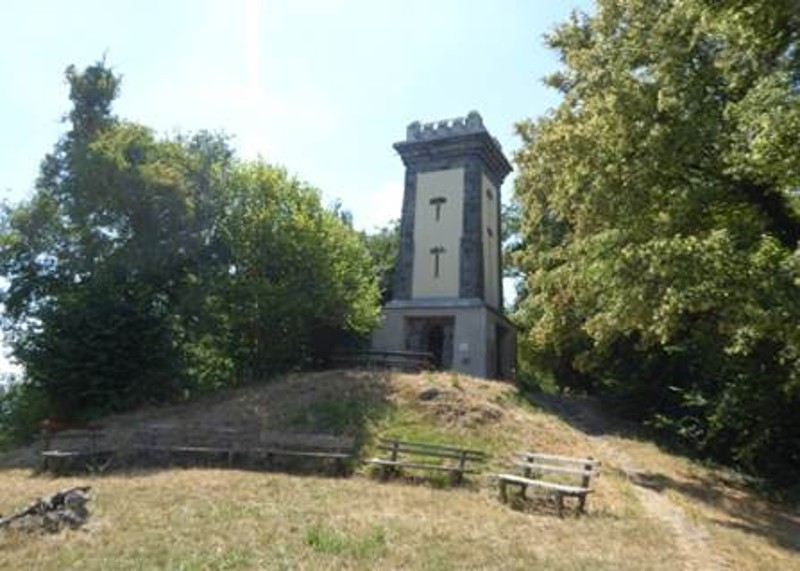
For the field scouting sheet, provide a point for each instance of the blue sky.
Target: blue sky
(323, 88)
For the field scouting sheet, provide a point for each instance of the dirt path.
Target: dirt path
(692, 538)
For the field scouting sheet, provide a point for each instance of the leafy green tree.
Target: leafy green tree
(22, 407)
(96, 259)
(297, 278)
(384, 247)
(661, 222)
(145, 269)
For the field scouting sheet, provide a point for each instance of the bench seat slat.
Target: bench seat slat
(564, 488)
(201, 449)
(309, 454)
(557, 458)
(75, 453)
(420, 465)
(246, 450)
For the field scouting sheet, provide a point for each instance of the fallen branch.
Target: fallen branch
(67, 507)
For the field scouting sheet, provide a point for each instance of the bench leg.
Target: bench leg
(560, 504)
(504, 493)
(336, 466)
(97, 464)
(582, 504)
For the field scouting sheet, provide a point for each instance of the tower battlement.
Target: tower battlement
(472, 123)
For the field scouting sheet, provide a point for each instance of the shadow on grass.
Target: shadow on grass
(423, 477)
(742, 511)
(741, 505)
(583, 414)
(545, 505)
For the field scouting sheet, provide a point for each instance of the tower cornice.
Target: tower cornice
(453, 139)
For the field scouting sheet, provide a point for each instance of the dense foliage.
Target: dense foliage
(383, 246)
(143, 269)
(661, 221)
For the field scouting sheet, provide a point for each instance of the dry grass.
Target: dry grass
(748, 531)
(214, 519)
(226, 519)
(735, 525)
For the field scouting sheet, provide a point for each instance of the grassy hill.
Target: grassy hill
(651, 510)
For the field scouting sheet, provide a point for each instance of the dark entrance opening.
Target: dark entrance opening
(436, 345)
(432, 335)
(500, 337)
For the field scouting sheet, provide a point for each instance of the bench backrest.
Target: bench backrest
(158, 434)
(306, 442)
(436, 450)
(73, 439)
(237, 438)
(550, 466)
(403, 360)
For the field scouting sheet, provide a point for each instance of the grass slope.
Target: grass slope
(658, 518)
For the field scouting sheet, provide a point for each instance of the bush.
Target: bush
(22, 408)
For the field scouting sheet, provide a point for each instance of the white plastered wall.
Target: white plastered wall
(444, 233)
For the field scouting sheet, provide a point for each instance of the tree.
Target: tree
(660, 223)
(97, 260)
(384, 247)
(145, 269)
(297, 278)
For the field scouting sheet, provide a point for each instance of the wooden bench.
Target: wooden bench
(410, 361)
(336, 451)
(564, 476)
(192, 441)
(242, 444)
(85, 448)
(417, 455)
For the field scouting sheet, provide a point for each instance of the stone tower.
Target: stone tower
(448, 296)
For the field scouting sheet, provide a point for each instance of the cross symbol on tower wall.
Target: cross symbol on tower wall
(437, 202)
(437, 251)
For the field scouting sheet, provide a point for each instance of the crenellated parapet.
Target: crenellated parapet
(472, 123)
(443, 144)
